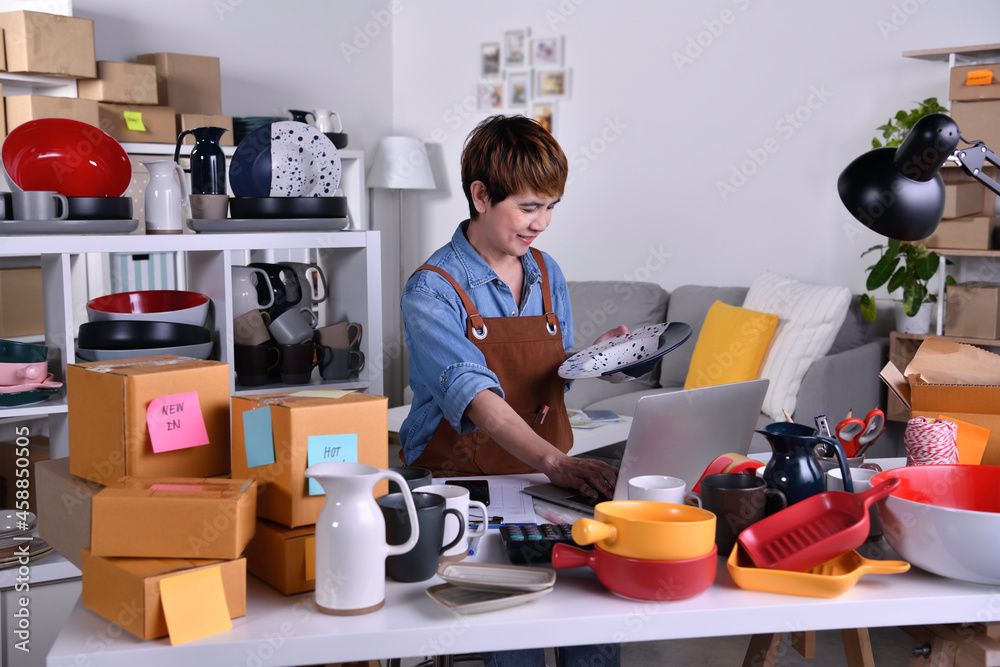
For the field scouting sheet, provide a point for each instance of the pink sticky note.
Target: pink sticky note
(176, 422)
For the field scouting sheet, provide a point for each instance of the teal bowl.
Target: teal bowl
(22, 353)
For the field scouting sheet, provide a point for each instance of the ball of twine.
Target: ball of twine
(930, 442)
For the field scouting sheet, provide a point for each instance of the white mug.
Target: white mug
(661, 488)
(245, 299)
(862, 480)
(457, 498)
(327, 121)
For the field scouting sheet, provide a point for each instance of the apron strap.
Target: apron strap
(551, 320)
(475, 319)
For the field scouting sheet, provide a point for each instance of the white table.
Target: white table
(280, 630)
(584, 440)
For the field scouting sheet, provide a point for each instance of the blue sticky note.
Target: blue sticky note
(257, 438)
(338, 447)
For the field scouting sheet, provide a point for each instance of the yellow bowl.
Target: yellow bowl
(826, 580)
(648, 530)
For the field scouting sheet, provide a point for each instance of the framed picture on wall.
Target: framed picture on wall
(547, 51)
(489, 94)
(490, 59)
(518, 89)
(515, 48)
(552, 83)
(545, 114)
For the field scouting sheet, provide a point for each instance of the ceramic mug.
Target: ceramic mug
(255, 363)
(457, 498)
(297, 362)
(39, 205)
(345, 334)
(862, 480)
(209, 207)
(312, 282)
(737, 501)
(284, 285)
(421, 562)
(246, 296)
(293, 326)
(327, 121)
(661, 489)
(828, 463)
(414, 477)
(250, 328)
(340, 363)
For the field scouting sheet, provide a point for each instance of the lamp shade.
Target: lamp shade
(401, 163)
(898, 192)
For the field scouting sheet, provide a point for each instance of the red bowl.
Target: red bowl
(66, 156)
(659, 580)
(153, 305)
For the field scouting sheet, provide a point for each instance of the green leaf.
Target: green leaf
(876, 143)
(913, 298)
(881, 272)
(868, 308)
(897, 280)
(927, 266)
(950, 280)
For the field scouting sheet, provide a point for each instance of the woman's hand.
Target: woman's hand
(620, 330)
(589, 476)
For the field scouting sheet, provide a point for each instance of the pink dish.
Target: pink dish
(151, 305)
(15, 373)
(66, 156)
(48, 383)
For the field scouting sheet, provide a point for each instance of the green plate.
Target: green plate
(26, 397)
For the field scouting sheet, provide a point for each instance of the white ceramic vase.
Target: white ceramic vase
(917, 324)
(165, 197)
(351, 546)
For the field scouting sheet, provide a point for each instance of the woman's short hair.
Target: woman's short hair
(510, 155)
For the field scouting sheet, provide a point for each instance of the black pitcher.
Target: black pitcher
(208, 162)
(792, 468)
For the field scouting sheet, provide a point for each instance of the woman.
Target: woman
(488, 322)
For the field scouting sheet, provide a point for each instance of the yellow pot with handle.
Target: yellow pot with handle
(648, 530)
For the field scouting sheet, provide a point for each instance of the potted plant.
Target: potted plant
(898, 126)
(907, 267)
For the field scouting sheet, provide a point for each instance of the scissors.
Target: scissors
(856, 435)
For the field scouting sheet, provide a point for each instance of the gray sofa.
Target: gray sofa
(845, 379)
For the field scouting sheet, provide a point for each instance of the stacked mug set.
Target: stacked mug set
(24, 374)
(274, 327)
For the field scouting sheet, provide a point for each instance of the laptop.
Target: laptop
(676, 433)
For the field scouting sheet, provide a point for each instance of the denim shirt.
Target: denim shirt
(446, 369)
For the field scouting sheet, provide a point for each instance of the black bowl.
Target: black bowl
(100, 208)
(288, 207)
(139, 334)
(339, 139)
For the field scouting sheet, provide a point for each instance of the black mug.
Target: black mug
(339, 363)
(254, 363)
(421, 562)
(415, 477)
(297, 362)
(284, 285)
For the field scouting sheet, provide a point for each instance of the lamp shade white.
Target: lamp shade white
(401, 163)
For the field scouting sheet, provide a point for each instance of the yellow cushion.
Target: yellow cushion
(730, 347)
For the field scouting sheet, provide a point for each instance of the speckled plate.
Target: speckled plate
(627, 357)
(304, 162)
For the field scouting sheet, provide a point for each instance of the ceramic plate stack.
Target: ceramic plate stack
(14, 528)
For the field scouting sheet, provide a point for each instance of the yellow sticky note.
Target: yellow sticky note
(310, 557)
(979, 77)
(970, 441)
(133, 121)
(194, 604)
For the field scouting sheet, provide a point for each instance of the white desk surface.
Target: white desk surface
(288, 630)
(584, 440)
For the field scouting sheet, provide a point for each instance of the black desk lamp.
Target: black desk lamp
(898, 192)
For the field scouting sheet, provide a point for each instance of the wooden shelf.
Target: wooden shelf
(981, 342)
(959, 252)
(980, 51)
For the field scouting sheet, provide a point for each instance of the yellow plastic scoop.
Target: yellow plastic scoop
(826, 580)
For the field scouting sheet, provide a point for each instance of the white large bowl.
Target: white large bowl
(945, 519)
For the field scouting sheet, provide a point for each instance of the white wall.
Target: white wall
(653, 190)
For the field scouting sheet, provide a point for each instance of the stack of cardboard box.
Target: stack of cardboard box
(191, 86)
(141, 498)
(275, 438)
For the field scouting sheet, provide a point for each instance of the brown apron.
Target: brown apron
(525, 354)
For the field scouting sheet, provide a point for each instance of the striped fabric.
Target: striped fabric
(809, 317)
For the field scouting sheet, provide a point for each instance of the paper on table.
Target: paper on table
(506, 499)
(194, 604)
(940, 361)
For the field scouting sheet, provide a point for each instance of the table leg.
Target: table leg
(763, 650)
(805, 643)
(858, 647)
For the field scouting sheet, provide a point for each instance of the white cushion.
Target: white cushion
(809, 317)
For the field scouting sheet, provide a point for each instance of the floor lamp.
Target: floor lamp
(401, 163)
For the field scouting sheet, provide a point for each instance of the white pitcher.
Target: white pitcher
(351, 547)
(165, 197)
(327, 121)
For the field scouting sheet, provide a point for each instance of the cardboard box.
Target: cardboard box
(156, 125)
(978, 121)
(173, 517)
(126, 591)
(282, 556)
(64, 508)
(3, 56)
(22, 453)
(972, 233)
(962, 199)
(22, 108)
(108, 434)
(38, 43)
(21, 312)
(189, 84)
(973, 310)
(127, 83)
(298, 423)
(959, 88)
(953, 174)
(189, 121)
